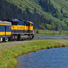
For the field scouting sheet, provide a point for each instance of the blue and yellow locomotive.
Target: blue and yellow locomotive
(14, 29)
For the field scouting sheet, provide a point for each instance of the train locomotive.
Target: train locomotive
(14, 29)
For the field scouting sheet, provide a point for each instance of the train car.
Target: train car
(20, 28)
(5, 30)
(15, 29)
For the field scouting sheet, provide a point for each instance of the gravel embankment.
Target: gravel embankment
(26, 41)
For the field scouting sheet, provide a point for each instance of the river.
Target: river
(50, 36)
(47, 58)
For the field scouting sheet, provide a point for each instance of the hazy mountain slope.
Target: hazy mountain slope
(49, 14)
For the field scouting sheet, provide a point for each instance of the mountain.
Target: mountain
(46, 14)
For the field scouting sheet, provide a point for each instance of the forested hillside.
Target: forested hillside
(46, 14)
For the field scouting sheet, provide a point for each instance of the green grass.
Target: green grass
(50, 32)
(9, 52)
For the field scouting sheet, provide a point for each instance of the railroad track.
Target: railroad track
(26, 41)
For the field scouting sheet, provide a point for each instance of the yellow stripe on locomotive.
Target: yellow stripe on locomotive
(22, 27)
(19, 27)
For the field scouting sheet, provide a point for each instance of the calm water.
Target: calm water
(50, 36)
(48, 58)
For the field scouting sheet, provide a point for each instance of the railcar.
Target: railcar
(5, 30)
(15, 29)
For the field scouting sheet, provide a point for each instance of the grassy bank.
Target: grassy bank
(50, 32)
(9, 51)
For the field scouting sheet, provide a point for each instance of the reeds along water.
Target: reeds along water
(50, 32)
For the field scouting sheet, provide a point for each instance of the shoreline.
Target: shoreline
(11, 51)
(50, 32)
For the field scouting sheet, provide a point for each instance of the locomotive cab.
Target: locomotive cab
(30, 30)
(14, 22)
(30, 27)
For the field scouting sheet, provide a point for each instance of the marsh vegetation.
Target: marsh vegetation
(50, 32)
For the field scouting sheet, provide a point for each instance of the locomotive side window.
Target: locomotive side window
(31, 24)
(27, 24)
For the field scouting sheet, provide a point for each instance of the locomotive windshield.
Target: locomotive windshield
(15, 22)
